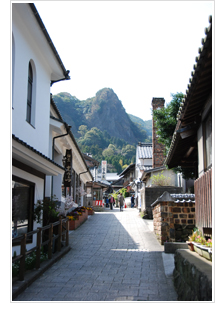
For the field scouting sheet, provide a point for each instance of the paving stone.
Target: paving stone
(114, 256)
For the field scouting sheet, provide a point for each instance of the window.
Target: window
(29, 95)
(22, 206)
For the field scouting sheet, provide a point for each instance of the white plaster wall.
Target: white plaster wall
(25, 49)
(166, 173)
(147, 162)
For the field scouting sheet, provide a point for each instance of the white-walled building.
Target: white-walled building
(143, 162)
(37, 158)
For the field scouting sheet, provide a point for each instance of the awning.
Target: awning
(27, 155)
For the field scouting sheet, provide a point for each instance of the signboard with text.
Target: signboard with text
(104, 170)
(68, 167)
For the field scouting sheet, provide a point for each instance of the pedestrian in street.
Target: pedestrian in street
(111, 203)
(107, 203)
(121, 202)
(132, 201)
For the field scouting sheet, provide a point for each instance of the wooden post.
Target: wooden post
(59, 235)
(50, 241)
(22, 260)
(67, 232)
(38, 248)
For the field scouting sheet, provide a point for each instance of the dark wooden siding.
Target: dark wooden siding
(203, 199)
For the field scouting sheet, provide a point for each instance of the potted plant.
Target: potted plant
(46, 211)
(198, 243)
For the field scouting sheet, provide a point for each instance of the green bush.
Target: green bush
(30, 262)
(160, 180)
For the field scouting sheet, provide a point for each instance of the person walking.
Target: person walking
(121, 202)
(111, 202)
(132, 201)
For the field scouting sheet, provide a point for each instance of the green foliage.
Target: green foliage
(102, 146)
(47, 209)
(165, 120)
(142, 125)
(82, 130)
(129, 151)
(123, 191)
(186, 172)
(198, 237)
(30, 262)
(160, 180)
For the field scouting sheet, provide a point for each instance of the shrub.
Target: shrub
(160, 180)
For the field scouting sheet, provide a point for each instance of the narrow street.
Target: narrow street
(114, 256)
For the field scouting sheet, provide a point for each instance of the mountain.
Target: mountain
(102, 127)
(105, 112)
(146, 125)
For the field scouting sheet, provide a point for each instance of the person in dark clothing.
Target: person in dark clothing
(132, 201)
(121, 202)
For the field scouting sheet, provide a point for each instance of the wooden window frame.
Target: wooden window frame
(31, 203)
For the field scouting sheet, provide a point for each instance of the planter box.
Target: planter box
(90, 212)
(73, 224)
(83, 217)
(203, 251)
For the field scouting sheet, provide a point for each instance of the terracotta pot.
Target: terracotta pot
(190, 245)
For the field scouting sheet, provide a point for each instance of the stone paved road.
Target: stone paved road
(114, 257)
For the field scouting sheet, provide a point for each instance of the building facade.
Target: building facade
(40, 138)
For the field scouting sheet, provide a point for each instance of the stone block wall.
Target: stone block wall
(173, 221)
(192, 276)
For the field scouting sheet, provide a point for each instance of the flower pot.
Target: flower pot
(203, 251)
(190, 245)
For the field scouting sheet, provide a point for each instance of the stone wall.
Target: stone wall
(192, 276)
(173, 221)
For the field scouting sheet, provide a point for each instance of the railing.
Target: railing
(203, 200)
(62, 234)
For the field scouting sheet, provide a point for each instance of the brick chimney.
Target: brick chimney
(157, 148)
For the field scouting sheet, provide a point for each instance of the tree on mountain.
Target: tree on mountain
(82, 130)
(129, 151)
(94, 137)
(108, 152)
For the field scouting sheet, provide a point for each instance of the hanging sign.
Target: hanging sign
(68, 167)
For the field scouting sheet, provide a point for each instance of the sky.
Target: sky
(140, 49)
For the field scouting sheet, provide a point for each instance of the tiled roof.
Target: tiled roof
(35, 151)
(130, 167)
(144, 151)
(186, 197)
(198, 91)
(176, 198)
